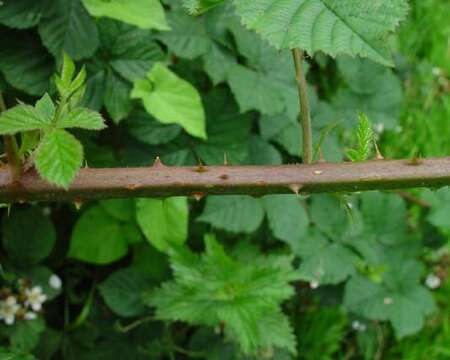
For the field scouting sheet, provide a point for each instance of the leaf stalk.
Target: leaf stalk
(305, 113)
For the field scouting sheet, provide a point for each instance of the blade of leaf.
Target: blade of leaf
(59, 157)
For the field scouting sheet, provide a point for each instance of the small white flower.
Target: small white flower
(379, 128)
(314, 284)
(35, 298)
(55, 282)
(436, 71)
(388, 301)
(355, 325)
(8, 310)
(358, 326)
(30, 315)
(432, 281)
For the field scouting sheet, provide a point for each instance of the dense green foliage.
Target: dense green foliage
(227, 277)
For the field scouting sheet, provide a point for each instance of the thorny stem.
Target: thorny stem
(305, 114)
(11, 148)
(160, 180)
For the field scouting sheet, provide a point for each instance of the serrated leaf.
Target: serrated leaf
(24, 335)
(365, 138)
(122, 292)
(265, 96)
(287, 218)
(372, 89)
(69, 28)
(196, 7)
(188, 38)
(227, 129)
(25, 64)
(146, 129)
(146, 14)
(324, 261)
(260, 152)
(46, 108)
(22, 14)
(171, 100)
(385, 216)
(353, 27)
(22, 118)
(28, 236)
(117, 97)
(234, 213)
(82, 118)
(163, 222)
(243, 296)
(105, 245)
(134, 55)
(404, 302)
(14, 355)
(58, 157)
(283, 130)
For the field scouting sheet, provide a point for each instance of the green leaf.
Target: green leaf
(46, 108)
(23, 118)
(227, 129)
(262, 153)
(121, 209)
(196, 7)
(146, 129)
(283, 130)
(401, 300)
(171, 100)
(385, 216)
(287, 218)
(188, 38)
(372, 89)
(243, 296)
(22, 14)
(28, 236)
(145, 14)
(117, 97)
(69, 28)
(82, 118)
(108, 243)
(163, 222)
(6, 354)
(324, 261)
(24, 335)
(234, 213)
(264, 97)
(122, 292)
(58, 157)
(25, 63)
(353, 27)
(151, 262)
(133, 54)
(440, 201)
(365, 137)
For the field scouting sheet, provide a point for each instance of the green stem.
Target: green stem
(305, 114)
(11, 148)
(127, 328)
